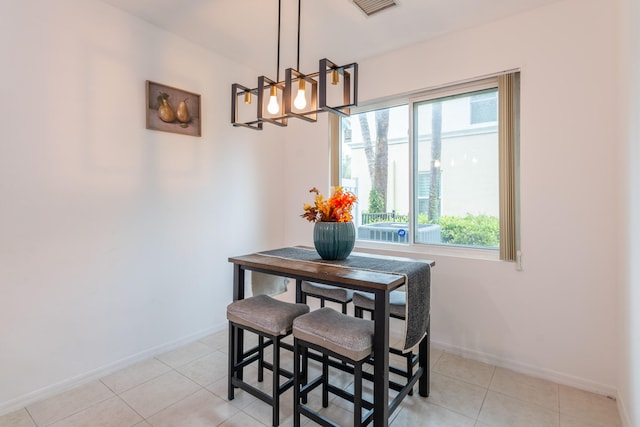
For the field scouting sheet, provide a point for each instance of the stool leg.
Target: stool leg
(298, 381)
(275, 393)
(325, 381)
(409, 357)
(232, 361)
(357, 312)
(260, 358)
(357, 394)
(305, 371)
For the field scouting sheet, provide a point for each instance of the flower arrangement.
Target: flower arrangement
(336, 208)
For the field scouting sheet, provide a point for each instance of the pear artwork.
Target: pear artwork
(182, 113)
(165, 112)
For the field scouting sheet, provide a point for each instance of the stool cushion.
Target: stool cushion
(340, 333)
(265, 314)
(327, 291)
(397, 302)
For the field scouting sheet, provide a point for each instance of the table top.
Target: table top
(330, 273)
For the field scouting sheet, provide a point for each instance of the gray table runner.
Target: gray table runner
(417, 282)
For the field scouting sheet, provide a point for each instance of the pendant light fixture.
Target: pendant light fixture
(314, 92)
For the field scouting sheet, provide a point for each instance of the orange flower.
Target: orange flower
(336, 208)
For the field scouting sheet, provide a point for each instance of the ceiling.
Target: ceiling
(246, 30)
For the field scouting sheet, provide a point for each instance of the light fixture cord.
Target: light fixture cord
(298, 64)
(278, 61)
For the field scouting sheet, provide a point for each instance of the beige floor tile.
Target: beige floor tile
(569, 421)
(456, 395)
(263, 413)
(527, 388)
(588, 407)
(185, 354)
(500, 410)
(135, 375)
(218, 341)
(159, 393)
(109, 413)
(241, 419)
(68, 403)
(337, 414)
(241, 399)
(422, 413)
(199, 409)
(207, 369)
(367, 394)
(463, 393)
(19, 418)
(435, 355)
(464, 369)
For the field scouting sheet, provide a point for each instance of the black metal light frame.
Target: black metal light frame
(319, 88)
(265, 83)
(310, 113)
(326, 68)
(237, 90)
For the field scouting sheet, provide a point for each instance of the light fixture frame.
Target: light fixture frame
(310, 113)
(265, 83)
(318, 82)
(348, 78)
(238, 90)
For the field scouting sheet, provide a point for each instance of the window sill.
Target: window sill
(426, 251)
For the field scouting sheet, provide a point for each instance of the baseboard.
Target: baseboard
(624, 414)
(69, 383)
(534, 371)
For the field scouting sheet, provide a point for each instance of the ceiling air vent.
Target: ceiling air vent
(373, 6)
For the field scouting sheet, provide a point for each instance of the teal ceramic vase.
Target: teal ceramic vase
(334, 240)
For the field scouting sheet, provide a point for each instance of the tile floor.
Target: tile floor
(187, 387)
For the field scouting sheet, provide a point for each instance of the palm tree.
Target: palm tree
(378, 154)
(436, 154)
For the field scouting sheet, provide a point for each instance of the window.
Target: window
(484, 107)
(435, 168)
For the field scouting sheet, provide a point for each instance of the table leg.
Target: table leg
(424, 359)
(300, 298)
(381, 359)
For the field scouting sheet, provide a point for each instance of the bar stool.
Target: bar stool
(337, 335)
(327, 293)
(272, 320)
(363, 301)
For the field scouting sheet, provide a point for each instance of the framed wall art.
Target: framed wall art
(172, 110)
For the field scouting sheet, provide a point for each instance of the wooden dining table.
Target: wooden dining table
(338, 273)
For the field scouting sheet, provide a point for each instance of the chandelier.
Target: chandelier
(333, 88)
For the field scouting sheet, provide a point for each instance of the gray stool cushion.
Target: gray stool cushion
(265, 314)
(327, 291)
(340, 333)
(397, 302)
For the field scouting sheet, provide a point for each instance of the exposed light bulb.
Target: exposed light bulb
(335, 77)
(436, 163)
(247, 98)
(273, 106)
(301, 101)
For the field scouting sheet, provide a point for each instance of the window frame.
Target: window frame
(410, 99)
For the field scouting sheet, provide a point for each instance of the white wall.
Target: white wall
(114, 239)
(557, 318)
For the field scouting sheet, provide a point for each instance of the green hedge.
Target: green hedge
(476, 230)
